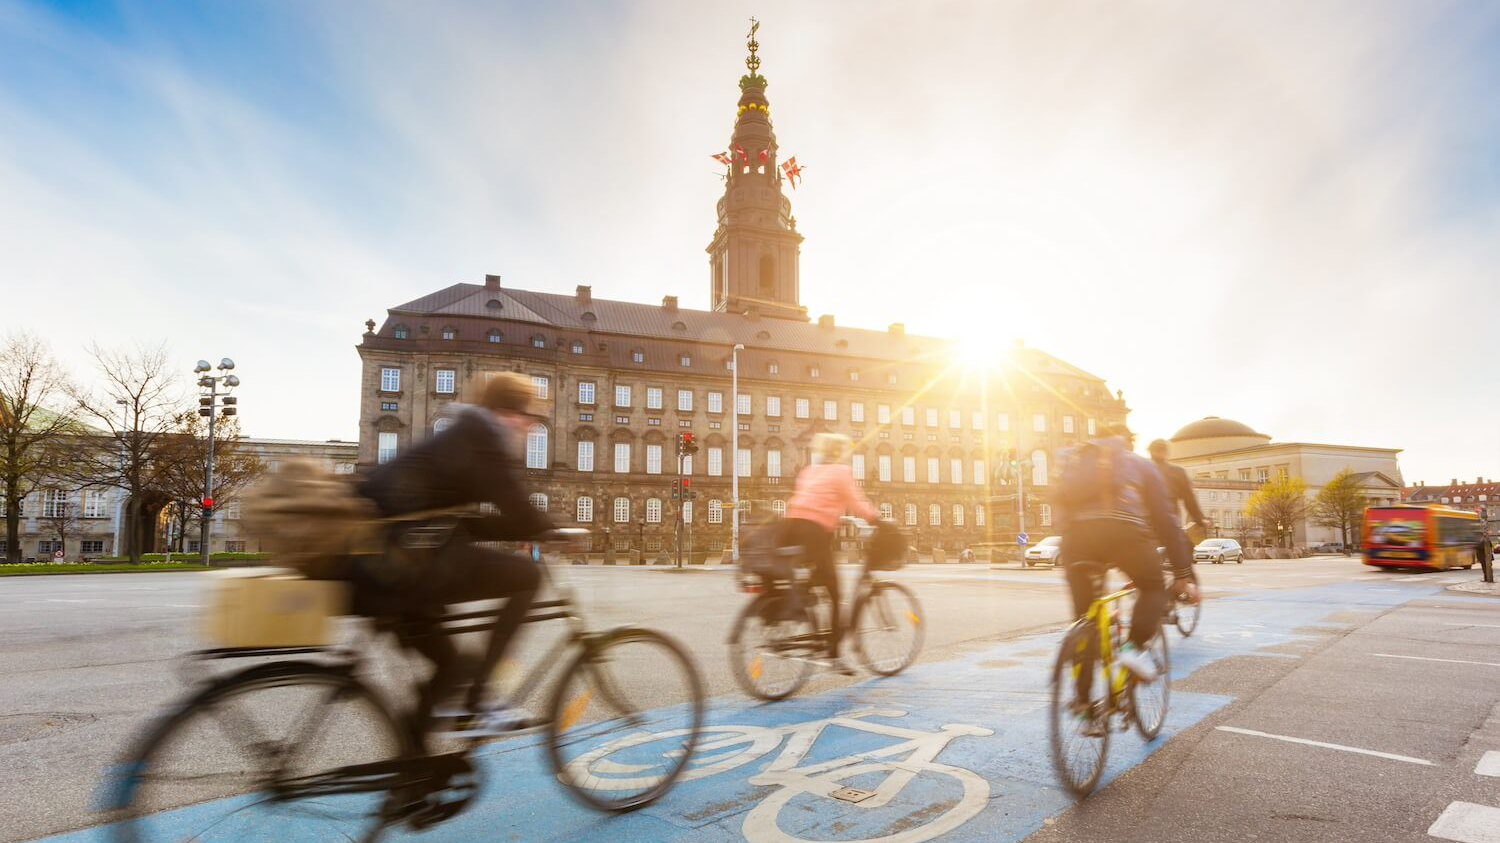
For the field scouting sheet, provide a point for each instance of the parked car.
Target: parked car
(1043, 552)
(1218, 551)
(1329, 547)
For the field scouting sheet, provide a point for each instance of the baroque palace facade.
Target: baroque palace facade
(619, 381)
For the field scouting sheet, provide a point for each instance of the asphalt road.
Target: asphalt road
(1389, 685)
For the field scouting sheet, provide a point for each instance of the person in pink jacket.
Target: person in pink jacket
(825, 492)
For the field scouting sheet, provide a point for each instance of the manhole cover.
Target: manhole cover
(852, 794)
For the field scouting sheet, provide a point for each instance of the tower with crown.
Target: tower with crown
(755, 249)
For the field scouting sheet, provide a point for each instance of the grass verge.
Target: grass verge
(40, 569)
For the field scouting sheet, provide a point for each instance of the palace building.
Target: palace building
(934, 438)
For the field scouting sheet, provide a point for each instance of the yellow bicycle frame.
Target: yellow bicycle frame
(1100, 614)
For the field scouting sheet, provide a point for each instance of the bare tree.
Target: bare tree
(60, 518)
(179, 467)
(1279, 505)
(1340, 504)
(32, 428)
(138, 400)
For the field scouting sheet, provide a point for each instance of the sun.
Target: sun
(976, 351)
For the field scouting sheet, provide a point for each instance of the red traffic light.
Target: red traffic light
(686, 482)
(208, 501)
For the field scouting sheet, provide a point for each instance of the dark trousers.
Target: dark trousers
(1125, 545)
(817, 553)
(460, 573)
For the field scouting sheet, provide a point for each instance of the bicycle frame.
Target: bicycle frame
(1101, 614)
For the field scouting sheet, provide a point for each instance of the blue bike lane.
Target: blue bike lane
(955, 750)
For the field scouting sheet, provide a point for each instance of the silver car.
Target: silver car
(1043, 552)
(1218, 551)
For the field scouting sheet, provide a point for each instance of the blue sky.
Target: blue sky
(1282, 212)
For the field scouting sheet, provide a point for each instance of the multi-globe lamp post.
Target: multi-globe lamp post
(211, 401)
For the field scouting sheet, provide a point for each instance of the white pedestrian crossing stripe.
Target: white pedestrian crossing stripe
(1489, 765)
(1466, 822)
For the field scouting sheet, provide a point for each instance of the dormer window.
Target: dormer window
(494, 335)
(494, 304)
(684, 360)
(538, 341)
(450, 332)
(577, 347)
(814, 372)
(401, 332)
(891, 379)
(853, 374)
(637, 356)
(773, 368)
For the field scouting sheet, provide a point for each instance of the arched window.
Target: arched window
(958, 515)
(585, 511)
(622, 510)
(935, 515)
(979, 515)
(441, 425)
(539, 501)
(887, 512)
(778, 508)
(494, 335)
(911, 515)
(653, 510)
(767, 274)
(400, 332)
(536, 446)
(715, 512)
(1039, 467)
(450, 332)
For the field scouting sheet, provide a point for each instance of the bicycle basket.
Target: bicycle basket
(886, 548)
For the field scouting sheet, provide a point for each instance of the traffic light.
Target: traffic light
(676, 489)
(208, 507)
(687, 443)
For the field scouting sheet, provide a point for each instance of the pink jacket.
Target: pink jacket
(825, 492)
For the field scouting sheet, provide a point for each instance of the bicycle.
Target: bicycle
(1181, 612)
(243, 780)
(782, 633)
(1082, 716)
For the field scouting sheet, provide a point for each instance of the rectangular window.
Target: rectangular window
(715, 513)
(979, 475)
(93, 504)
(932, 469)
(684, 360)
(857, 463)
(1004, 422)
(585, 510)
(234, 546)
(622, 395)
(653, 459)
(1046, 515)
(687, 512)
(653, 398)
(1093, 428)
(883, 414)
(443, 381)
(586, 392)
(715, 462)
(742, 404)
(955, 419)
(390, 380)
(830, 411)
(857, 413)
(386, 450)
(622, 457)
(742, 462)
(622, 510)
(909, 416)
(653, 510)
(883, 465)
(390, 406)
(773, 463)
(956, 471)
(909, 469)
(684, 400)
(935, 515)
(1244, 474)
(804, 408)
(979, 515)
(932, 417)
(585, 456)
(976, 420)
(1067, 424)
(1263, 474)
(773, 406)
(716, 402)
(94, 547)
(1039, 422)
(46, 547)
(958, 515)
(232, 511)
(55, 504)
(543, 386)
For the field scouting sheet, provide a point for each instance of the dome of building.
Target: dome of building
(1214, 435)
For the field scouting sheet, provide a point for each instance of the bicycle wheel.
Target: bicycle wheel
(1185, 616)
(890, 628)
(1079, 722)
(214, 770)
(771, 656)
(1148, 700)
(624, 719)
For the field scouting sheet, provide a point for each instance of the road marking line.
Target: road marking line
(1468, 823)
(1386, 755)
(1489, 765)
(1430, 659)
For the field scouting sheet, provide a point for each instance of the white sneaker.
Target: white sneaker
(1137, 662)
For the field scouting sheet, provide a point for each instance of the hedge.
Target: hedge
(184, 557)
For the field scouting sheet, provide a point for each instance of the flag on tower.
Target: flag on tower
(723, 159)
(765, 155)
(792, 171)
(739, 152)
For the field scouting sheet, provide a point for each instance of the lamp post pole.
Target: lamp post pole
(209, 404)
(734, 473)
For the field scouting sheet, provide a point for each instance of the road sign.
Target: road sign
(58, 555)
(1021, 539)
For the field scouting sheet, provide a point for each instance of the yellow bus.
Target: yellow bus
(1411, 536)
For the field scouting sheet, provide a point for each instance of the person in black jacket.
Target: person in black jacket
(1179, 487)
(467, 463)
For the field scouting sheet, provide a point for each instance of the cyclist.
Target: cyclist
(467, 463)
(1179, 486)
(825, 490)
(1111, 501)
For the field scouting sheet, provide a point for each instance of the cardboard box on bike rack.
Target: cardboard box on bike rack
(271, 607)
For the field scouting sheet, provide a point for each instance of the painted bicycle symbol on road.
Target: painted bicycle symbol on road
(727, 747)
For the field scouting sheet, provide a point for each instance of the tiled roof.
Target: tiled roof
(564, 312)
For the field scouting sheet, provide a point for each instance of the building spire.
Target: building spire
(752, 62)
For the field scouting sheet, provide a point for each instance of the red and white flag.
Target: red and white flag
(723, 159)
(792, 171)
(739, 152)
(765, 155)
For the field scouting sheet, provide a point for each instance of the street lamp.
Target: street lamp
(734, 446)
(210, 401)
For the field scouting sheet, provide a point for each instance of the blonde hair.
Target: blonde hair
(830, 447)
(508, 391)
